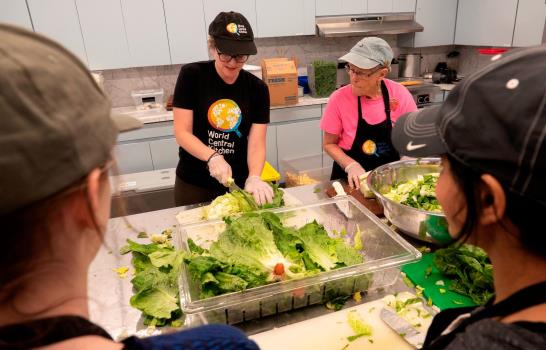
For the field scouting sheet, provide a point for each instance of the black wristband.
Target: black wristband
(211, 156)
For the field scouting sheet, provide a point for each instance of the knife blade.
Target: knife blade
(403, 328)
(232, 186)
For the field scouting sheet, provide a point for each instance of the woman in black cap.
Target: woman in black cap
(221, 114)
(56, 140)
(491, 133)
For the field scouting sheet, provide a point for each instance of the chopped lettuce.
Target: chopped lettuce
(157, 266)
(256, 249)
(419, 193)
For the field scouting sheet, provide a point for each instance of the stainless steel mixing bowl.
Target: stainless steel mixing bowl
(421, 224)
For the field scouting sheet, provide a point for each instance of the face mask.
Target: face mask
(435, 227)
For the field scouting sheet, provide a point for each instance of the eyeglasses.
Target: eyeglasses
(224, 57)
(361, 73)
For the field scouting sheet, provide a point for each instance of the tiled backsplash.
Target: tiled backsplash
(119, 83)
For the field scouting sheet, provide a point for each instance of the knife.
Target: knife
(403, 328)
(232, 186)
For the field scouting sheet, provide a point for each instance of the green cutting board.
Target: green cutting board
(416, 273)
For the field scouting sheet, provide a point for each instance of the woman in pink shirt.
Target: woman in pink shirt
(358, 119)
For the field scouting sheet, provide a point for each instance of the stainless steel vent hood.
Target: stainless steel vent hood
(396, 23)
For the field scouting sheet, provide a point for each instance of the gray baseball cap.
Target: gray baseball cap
(56, 121)
(369, 53)
(494, 122)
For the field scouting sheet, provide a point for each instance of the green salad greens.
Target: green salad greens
(418, 193)
(256, 249)
(239, 201)
(470, 269)
(157, 267)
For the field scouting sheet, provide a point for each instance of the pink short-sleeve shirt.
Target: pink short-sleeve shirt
(341, 114)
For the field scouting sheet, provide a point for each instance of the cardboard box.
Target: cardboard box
(281, 77)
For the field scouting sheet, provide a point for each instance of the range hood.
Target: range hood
(396, 23)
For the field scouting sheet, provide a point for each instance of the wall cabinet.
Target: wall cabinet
(187, 32)
(340, 7)
(485, 22)
(379, 6)
(146, 32)
(285, 18)
(104, 34)
(530, 23)
(438, 19)
(403, 5)
(15, 12)
(246, 7)
(58, 19)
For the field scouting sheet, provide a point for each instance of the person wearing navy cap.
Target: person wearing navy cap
(221, 114)
(491, 136)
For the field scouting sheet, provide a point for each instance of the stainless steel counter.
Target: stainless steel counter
(109, 294)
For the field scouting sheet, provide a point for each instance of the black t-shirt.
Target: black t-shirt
(222, 117)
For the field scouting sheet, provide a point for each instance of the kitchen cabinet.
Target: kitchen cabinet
(187, 31)
(58, 19)
(104, 34)
(379, 6)
(340, 7)
(298, 139)
(438, 18)
(485, 22)
(144, 22)
(15, 12)
(530, 23)
(285, 18)
(246, 7)
(164, 153)
(271, 146)
(403, 5)
(133, 157)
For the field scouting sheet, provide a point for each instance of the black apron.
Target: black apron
(372, 145)
(523, 299)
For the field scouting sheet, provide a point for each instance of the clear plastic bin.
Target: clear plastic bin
(383, 250)
(305, 170)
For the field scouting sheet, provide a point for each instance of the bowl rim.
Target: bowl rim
(380, 196)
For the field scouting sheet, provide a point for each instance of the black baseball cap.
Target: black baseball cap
(56, 121)
(494, 121)
(232, 34)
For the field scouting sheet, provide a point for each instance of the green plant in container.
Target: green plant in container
(322, 78)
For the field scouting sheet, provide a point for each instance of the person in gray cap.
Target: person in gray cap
(221, 114)
(491, 136)
(358, 118)
(56, 141)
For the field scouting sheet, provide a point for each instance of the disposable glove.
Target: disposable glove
(262, 192)
(354, 171)
(219, 169)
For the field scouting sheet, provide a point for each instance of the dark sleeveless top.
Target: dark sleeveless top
(48, 331)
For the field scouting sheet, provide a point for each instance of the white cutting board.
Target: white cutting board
(331, 331)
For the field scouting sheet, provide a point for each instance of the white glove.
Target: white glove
(219, 169)
(262, 192)
(354, 171)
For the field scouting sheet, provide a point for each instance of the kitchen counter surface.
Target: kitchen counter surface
(162, 115)
(109, 293)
